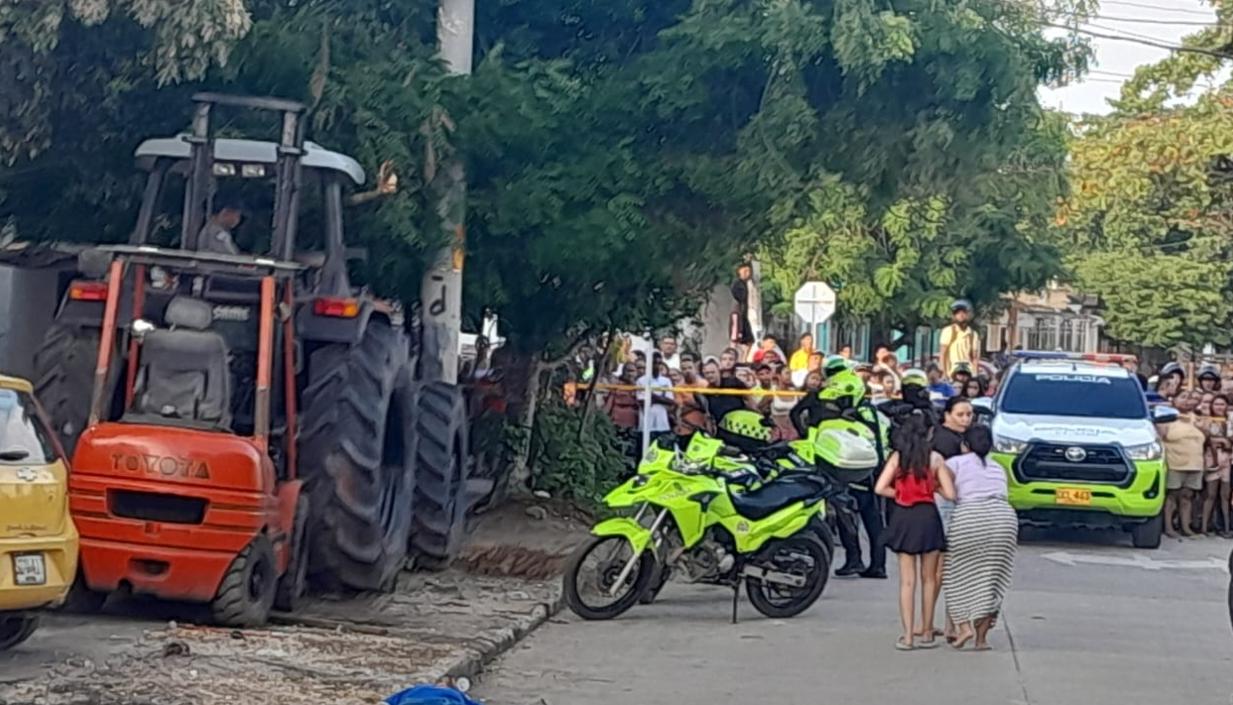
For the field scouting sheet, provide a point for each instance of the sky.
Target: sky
(1164, 21)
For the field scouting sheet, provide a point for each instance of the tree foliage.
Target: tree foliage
(935, 170)
(44, 60)
(1148, 224)
(620, 155)
(897, 149)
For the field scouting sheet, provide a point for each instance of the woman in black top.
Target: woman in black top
(956, 419)
(948, 442)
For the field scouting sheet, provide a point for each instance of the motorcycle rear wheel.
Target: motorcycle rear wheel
(799, 554)
(613, 552)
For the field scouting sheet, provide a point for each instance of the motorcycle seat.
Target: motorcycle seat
(770, 498)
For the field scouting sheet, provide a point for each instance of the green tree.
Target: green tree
(1147, 223)
(941, 174)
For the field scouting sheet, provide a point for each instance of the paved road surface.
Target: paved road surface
(1089, 622)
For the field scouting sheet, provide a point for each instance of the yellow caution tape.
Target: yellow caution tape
(708, 391)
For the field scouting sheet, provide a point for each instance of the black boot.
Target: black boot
(850, 569)
(874, 573)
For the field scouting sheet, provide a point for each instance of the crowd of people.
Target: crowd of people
(1198, 451)
(765, 379)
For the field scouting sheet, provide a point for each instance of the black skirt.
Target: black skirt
(915, 530)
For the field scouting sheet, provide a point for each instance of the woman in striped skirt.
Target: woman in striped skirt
(981, 542)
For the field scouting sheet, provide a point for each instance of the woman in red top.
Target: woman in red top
(912, 475)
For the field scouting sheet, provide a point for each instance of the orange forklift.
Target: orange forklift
(252, 416)
(174, 498)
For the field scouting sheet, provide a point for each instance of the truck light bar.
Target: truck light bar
(1109, 358)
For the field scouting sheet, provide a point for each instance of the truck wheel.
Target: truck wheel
(291, 583)
(1147, 534)
(357, 457)
(441, 476)
(64, 379)
(15, 629)
(246, 592)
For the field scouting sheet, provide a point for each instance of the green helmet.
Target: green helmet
(834, 364)
(915, 376)
(746, 423)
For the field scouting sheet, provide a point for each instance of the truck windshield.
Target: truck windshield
(1074, 394)
(23, 440)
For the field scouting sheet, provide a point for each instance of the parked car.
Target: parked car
(38, 542)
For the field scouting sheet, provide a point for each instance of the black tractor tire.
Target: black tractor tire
(64, 379)
(441, 476)
(1148, 534)
(246, 593)
(357, 457)
(292, 583)
(16, 628)
(81, 599)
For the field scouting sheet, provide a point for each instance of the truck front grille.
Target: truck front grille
(1049, 462)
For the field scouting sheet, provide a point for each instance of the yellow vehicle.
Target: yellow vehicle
(38, 542)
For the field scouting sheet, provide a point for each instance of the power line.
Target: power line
(1149, 20)
(1157, 8)
(1128, 33)
(1144, 41)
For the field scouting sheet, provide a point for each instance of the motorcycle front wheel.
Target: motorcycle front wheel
(800, 555)
(595, 568)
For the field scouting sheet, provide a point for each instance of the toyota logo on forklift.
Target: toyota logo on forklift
(164, 465)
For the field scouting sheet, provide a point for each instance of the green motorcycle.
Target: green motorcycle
(690, 520)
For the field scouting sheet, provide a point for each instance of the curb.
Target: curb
(489, 647)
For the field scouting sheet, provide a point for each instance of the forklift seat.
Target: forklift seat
(184, 374)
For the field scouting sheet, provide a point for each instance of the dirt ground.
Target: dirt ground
(352, 649)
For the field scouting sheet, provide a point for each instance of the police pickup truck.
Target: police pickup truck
(1079, 444)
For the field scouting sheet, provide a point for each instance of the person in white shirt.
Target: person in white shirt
(668, 348)
(658, 420)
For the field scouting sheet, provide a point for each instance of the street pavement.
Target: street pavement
(1089, 621)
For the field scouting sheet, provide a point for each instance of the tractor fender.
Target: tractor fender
(288, 497)
(329, 329)
(638, 535)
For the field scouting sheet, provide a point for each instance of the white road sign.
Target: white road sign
(815, 302)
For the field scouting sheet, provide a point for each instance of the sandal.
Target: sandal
(961, 640)
(902, 645)
(982, 647)
(930, 643)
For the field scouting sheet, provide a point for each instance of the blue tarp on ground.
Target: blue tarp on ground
(429, 695)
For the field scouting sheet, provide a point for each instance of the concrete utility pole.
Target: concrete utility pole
(441, 289)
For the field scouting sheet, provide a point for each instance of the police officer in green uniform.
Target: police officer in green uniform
(843, 396)
(840, 396)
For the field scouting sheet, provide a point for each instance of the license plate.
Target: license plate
(1074, 497)
(29, 569)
